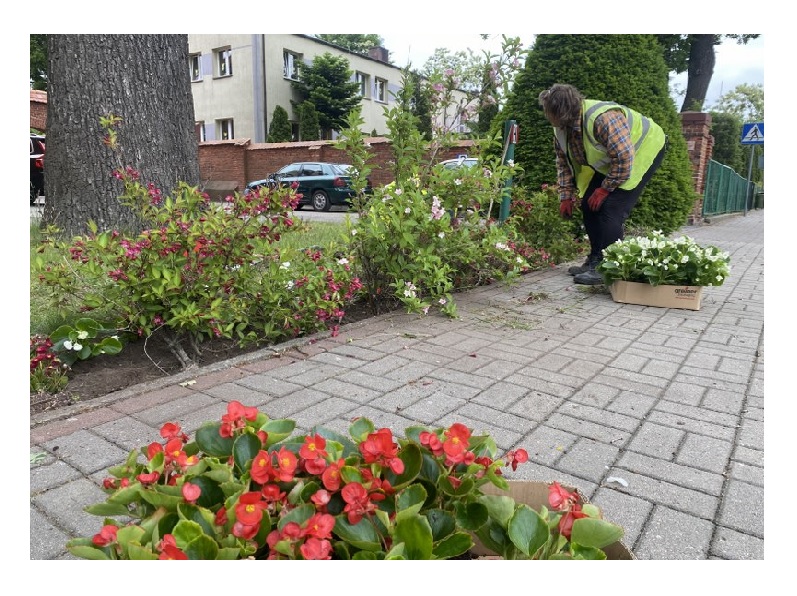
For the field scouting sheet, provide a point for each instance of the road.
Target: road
(334, 215)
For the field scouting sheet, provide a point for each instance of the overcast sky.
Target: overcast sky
(735, 65)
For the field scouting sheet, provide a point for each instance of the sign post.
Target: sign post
(752, 134)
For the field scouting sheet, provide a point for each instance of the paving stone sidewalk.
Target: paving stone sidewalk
(656, 415)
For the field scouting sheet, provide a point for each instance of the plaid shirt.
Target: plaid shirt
(611, 131)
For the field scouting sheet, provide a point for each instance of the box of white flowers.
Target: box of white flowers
(658, 271)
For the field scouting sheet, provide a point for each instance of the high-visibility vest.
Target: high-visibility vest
(647, 136)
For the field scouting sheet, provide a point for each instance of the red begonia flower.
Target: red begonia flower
(106, 535)
(316, 550)
(262, 470)
(191, 492)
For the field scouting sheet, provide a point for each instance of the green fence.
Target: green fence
(726, 191)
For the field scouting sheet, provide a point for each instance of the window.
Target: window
(225, 129)
(195, 67)
(223, 62)
(199, 129)
(380, 90)
(362, 80)
(290, 67)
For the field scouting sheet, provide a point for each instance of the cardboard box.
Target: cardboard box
(535, 495)
(664, 296)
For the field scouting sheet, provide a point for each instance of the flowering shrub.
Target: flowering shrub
(658, 260)
(200, 270)
(246, 488)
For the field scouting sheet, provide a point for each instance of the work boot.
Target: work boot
(576, 269)
(590, 277)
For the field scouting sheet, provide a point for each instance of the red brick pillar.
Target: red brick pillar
(696, 127)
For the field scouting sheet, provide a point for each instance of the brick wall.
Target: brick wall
(38, 110)
(696, 127)
(229, 165)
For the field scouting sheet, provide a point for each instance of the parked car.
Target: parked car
(36, 167)
(321, 184)
(459, 162)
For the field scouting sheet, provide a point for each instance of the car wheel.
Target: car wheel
(320, 201)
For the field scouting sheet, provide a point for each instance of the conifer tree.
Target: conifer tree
(280, 129)
(627, 69)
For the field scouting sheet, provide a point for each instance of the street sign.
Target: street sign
(753, 133)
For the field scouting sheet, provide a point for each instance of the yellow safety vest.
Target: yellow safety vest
(647, 137)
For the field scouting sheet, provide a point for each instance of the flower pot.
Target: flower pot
(535, 495)
(630, 292)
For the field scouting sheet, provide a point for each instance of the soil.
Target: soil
(140, 362)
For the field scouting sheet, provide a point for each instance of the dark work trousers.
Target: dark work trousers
(605, 226)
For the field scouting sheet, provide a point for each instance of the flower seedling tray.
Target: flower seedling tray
(629, 292)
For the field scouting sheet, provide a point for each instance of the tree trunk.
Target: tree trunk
(144, 80)
(701, 69)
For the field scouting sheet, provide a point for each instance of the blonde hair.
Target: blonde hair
(562, 105)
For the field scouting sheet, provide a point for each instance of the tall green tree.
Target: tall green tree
(746, 102)
(279, 131)
(727, 132)
(590, 63)
(695, 54)
(309, 129)
(420, 104)
(327, 84)
(38, 61)
(358, 43)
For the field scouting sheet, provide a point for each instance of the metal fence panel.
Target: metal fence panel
(726, 191)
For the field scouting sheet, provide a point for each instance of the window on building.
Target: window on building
(195, 67)
(199, 130)
(290, 68)
(380, 90)
(225, 129)
(223, 62)
(362, 80)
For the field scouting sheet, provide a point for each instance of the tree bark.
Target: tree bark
(700, 71)
(144, 80)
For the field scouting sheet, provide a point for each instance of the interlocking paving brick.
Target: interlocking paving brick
(739, 511)
(588, 459)
(686, 476)
(657, 441)
(729, 544)
(674, 535)
(86, 451)
(705, 453)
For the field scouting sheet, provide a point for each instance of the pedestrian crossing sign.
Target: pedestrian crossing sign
(753, 133)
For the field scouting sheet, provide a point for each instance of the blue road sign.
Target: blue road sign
(753, 133)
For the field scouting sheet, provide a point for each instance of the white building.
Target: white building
(238, 80)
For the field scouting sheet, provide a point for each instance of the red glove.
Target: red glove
(566, 208)
(597, 197)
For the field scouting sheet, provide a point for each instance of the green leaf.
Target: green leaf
(136, 552)
(202, 548)
(278, 430)
(441, 522)
(452, 546)
(416, 534)
(472, 516)
(228, 554)
(499, 507)
(409, 501)
(244, 450)
(88, 325)
(596, 533)
(185, 531)
(297, 515)
(361, 535)
(87, 552)
(527, 530)
(360, 429)
(211, 442)
(413, 460)
(211, 493)
(107, 509)
(587, 553)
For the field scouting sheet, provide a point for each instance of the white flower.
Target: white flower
(501, 246)
(82, 334)
(285, 265)
(407, 210)
(76, 346)
(343, 261)
(398, 191)
(510, 162)
(68, 345)
(354, 232)
(458, 182)
(441, 234)
(289, 285)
